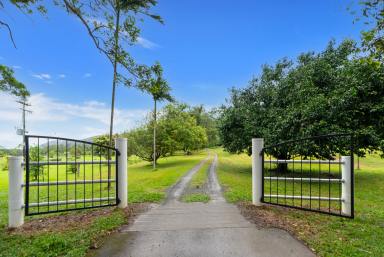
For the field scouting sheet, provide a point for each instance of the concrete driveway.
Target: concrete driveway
(197, 229)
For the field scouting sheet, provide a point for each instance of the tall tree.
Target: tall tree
(159, 89)
(112, 26)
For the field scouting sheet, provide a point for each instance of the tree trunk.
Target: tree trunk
(114, 82)
(154, 136)
(282, 167)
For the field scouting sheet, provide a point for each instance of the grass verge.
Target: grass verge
(326, 235)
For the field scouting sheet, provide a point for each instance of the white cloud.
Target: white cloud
(42, 76)
(62, 76)
(146, 43)
(57, 118)
(87, 75)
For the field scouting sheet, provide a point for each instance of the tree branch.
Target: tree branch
(9, 31)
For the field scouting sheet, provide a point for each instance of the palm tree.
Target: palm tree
(159, 89)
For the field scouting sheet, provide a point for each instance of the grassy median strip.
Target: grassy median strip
(73, 233)
(326, 235)
(197, 188)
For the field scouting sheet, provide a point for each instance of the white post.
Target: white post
(121, 145)
(15, 192)
(346, 194)
(257, 178)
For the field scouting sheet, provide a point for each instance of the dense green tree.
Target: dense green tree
(208, 121)
(176, 130)
(155, 85)
(332, 91)
(112, 25)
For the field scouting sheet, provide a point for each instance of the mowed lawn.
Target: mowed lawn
(144, 185)
(327, 235)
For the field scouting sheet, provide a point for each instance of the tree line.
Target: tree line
(180, 128)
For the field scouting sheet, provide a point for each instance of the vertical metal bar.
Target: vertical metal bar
(109, 177)
(352, 177)
(339, 184)
(329, 184)
(293, 181)
(76, 174)
(117, 153)
(84, 174)
(27, 175)
(57, 174)
(277, 184)
(92, 173)
(262, 176)
(48, 171)
(270, 181)
(285, 181)
(301, 181)
(310, 182)
(100, 149)
(38, 174)
(66, 174)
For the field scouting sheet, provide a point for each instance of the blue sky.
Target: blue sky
(205, 48)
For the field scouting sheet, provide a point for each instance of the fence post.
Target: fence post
(15, 192)
(121, 145)
(346, 194)
(257, 176)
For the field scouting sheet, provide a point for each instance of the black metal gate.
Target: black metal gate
(314, 174)
(64, 174)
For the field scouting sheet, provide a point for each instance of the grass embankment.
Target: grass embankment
(196, 191)
(74, 238)
(326, 235)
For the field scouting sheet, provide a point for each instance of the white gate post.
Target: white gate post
(257, 177)
(346, 194)
(121, 145)
(15, 192)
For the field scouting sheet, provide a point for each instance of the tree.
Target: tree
(112, 25)
(159, 89)
(208, 121)
(8, 83)
(372, 14)
(176, 130)
(329, 92)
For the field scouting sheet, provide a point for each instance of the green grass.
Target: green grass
(328, 235)
(144, 185)
(197, 182)
(196, 197)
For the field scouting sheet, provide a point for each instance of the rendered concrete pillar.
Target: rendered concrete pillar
(257, 168)
(15, 192)
(346, 194)
(122, 173)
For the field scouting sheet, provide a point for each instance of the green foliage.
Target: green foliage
(104, 141)
(176, 130)
(329, 92)
(8, 83)
(372, 14)
(35, 171)
(208, 121)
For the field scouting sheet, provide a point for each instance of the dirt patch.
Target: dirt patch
(277, 217)
(69, 221)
